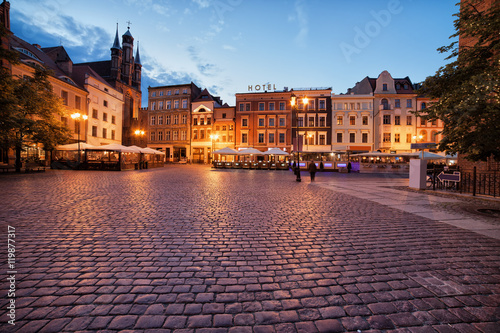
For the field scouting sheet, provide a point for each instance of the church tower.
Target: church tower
(136, 82)
(128, 57)
(116, 58)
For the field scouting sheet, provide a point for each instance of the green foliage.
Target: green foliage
(466, 91)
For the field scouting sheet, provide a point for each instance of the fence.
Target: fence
(470, 182)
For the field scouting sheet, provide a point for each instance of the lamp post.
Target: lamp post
(77, 117)
(293, 103)
(139, 133)
(416, 138)
(213, 137)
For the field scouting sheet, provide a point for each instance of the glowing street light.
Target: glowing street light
(78, 117)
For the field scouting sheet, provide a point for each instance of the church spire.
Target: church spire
(137, 57)
(116, 44)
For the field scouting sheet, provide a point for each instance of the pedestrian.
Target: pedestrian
(312, 170)
(349, 167)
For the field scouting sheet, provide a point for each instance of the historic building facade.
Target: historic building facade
(123, 72)
(168, 120)
(263, 120)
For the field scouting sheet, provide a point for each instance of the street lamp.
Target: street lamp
(293, 103)
(77, 117)
(139, 133)
(213, 137)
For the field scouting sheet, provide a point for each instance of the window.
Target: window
(282, 122)
(113, 135)
(322, 104)
(385, 104)
(387, 119)
(95, 114)
(244, 138)
(152, 136)
(153, 120)
(408, 137)
(422, 106)
(247, 107)
(94, 131)
(184, 103)
(397, 120)
(169, 93)
(231, 127)
(184, 119)
(224, 127)
(176, 91)
(167, 135)
(408, 103)
(113, 119)
(311, 122)
(202, 134)
(224, 138)
(104, 133)
(195, 121)
(160, 136)
(310, 106)
(271, 122)
(322, 139)
(301, 122)
(434, 136)
(167, 119)
(64, 120)
(261, 106)
(365, 120)
(322, 121)
(161, 93)
(282, 137)
(340, 120)
(271, 137)
(230, 138)
(397, 103)
(104, 116)
(352, 120)
(406, 86)
(105, 103)
(184, 91)
(242, 107)
(261, 138)
(434, 122)
(339, 137)
(176, 119)
(169, 105)
(261, 122)
(153, 94)
(153, 105)
(408, 120)
(387, 137)
(183, 135)
(64, 96)
(424, 136)
(397, 137)
(384, 87)
(271, 106)
(209, 121)
(78, 103)
(244, 122)
(195, 135)
(352, 137)
(176, 104)
(423, 122)
(160, 105)
(364, 137)
(282, 105)
(160, 121)
(175, 135)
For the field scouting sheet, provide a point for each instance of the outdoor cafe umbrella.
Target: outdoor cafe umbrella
(425, 155)
(74, 146)
(226, 151)
(275, 151)
(250, 151)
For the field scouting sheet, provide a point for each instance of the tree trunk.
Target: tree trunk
(19, 164)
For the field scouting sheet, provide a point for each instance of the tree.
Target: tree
(33, 118)
(466, 91)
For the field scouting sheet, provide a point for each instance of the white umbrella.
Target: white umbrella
(250, 151)
(226, 151)
(74, 146)
(425, 155)
(275, 151)
(148, 150)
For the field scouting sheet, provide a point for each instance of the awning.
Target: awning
(74, 146)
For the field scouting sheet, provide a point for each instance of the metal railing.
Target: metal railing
(484, 183)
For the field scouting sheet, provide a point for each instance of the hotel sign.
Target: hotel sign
(262, 87)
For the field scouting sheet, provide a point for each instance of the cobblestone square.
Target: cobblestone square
(191, 249)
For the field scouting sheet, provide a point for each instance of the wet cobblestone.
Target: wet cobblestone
(190, 249)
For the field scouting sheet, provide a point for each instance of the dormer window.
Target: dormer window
(28, 53)
(398, 86)
(67, 79)
(406, 86)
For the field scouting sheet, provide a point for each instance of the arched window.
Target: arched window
(422, 106)
(424, 136)
(385, 103)
(434, 136)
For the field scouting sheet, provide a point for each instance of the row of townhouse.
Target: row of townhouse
(105, 94)
(376, 114)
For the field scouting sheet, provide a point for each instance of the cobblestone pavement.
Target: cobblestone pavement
(190, 249)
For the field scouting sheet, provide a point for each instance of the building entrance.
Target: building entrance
(198, 155)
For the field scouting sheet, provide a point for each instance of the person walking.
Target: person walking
(312, 170)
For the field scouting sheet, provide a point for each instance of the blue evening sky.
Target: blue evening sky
(227, 45)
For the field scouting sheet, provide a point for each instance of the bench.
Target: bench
(32, 167)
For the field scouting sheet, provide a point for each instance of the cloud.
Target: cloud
(202, 3)
(202, 65)
(229, 48)
(300, 16)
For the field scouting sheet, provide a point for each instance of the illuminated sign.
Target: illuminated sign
(263, 87)
(342, 165)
